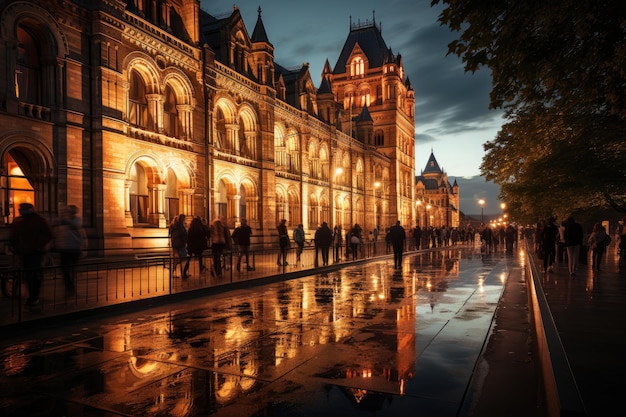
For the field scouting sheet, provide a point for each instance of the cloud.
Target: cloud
(474, 188)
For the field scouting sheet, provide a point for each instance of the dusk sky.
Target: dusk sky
(452, 117)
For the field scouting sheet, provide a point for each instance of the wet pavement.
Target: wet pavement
(361, 340)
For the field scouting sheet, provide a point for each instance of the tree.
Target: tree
(558, 71)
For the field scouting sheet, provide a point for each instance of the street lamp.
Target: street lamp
(481, 203)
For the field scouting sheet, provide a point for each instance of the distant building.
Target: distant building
(437, 201)
(137, 112)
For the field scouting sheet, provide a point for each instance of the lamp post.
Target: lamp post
(481, 203)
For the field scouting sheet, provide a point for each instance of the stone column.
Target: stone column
(128, 216)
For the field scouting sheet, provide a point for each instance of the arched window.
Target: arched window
(15, 189)
(357, 67)
(138, 103)
(138, 194)
(220, 129)
(170, 113)
(280, 149)
(379, 138)
(171, 196)
(24, 178)
(222, 201)
(28, 69)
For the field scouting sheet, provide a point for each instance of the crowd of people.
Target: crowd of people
(32, 236)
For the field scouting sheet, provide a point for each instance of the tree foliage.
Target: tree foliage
(559, 71)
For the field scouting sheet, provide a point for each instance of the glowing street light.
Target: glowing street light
(481, 203)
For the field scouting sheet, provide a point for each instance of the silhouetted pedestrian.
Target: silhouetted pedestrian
(30, 235)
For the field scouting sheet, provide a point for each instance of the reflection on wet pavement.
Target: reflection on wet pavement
(351, 342)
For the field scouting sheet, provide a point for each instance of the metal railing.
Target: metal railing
(106, 282)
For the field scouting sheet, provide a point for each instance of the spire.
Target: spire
(325, 87)
(432, 165)
(365, 115)
(259, 34)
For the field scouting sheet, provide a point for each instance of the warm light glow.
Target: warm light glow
(481, 202)
(502, 206)
(338, 171)
(377, 184)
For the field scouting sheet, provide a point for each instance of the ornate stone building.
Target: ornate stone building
(137, 111)
(436, 200)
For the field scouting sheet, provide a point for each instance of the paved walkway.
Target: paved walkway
(356, 340)
(589, 312)
(447, 336)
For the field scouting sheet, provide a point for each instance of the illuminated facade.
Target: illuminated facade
(139, 111)
(437, 202)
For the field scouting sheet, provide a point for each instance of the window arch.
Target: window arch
(171, 124)
(172, 198)
(25, 177)
(357, 66)
(295, 212)
(28, 70)
(280, 149)
(138, 103)
(359, 174)
(138, 194)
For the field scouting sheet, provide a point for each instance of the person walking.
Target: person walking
(573, 235)
(355, 240)
(69, 240)
(323, 241)
(298, 237)
(218, 245)
(598, 241)
(30, 235)
(178, 239)
(510, 237)
(486, 237)
(241, 238)
(197, 242)
(549, 237)
(417, 236)
(283, 243)
(397, 237)
(337, 242)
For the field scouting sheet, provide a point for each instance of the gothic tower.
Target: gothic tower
(368, 75)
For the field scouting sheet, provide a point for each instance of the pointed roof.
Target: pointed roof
(325, 87)
(259, 34)
(327, 69)
(365, 115)
(408, 85)
(369, 38)
(432, 166)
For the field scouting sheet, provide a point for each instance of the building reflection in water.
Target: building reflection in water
(206, 359)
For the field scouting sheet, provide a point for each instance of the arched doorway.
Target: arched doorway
(24, 178)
